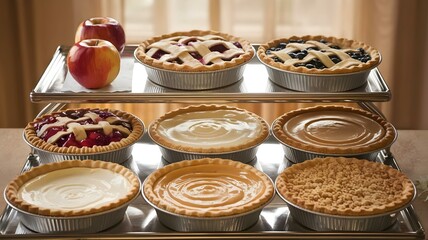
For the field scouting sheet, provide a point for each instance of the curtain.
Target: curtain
(398, 28)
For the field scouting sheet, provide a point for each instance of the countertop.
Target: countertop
(410, 150)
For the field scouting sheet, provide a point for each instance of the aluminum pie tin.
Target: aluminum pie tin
(91, 223)
(194, 80)
(232, 223)
(297, 155)
(119, 155)
(245, 155)
(317, 82)
(328, 222)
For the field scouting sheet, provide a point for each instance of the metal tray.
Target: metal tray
(255, 86)
(275, 222)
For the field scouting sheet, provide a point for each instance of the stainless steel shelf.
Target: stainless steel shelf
(141, 222)
(254, 87)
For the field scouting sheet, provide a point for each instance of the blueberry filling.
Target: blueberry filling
(359, 54)
(216, 48)
(94, 137)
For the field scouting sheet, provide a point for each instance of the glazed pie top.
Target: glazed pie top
(73, 188)
(209, 129)
(84, 130)
(345, 186)
(333, 130)
(319, 55)
(208, 187)
(194, 51)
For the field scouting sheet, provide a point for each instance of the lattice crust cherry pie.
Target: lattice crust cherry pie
(195, 51)
(319, 55)
(84, 131)
(345, 186)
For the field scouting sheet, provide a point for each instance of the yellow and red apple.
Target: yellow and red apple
(93, 63)
(102, 28)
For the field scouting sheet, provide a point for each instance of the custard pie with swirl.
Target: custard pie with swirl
(73, 188)
(333, 130)
(208, 187)
(209, 129)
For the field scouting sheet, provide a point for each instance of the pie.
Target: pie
(83, 131)
(208, 187)
(209, 129)
(73, 188)
(194, 51)
(333, 130)
(345, 186)
(318, 55)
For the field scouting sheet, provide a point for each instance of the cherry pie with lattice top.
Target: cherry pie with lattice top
(195, 51)
(319, 55)
(84, 131)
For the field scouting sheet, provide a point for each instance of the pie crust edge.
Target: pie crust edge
(243, 58)
(405, 198)
(11, 191)
(136, 133)
(152, 178)
(194, 108)
(278, 131)
(342, 42)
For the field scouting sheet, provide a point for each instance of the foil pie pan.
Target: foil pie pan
(245, 155)
(317, 83)
(297, 155)
(119, 155)
(91, 223)
(231, 223)
(194, 80)
(328, 222)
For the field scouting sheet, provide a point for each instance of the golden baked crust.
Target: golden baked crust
(163, 141)
(37, 142)
(14, 186)
(247, 55)
(341, 42)
(345, 186)
(364, 145)
(210, 197)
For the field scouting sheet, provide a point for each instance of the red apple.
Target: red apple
(94, 63)
(102, 28)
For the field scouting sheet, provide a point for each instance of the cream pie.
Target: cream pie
(333, 130)
(194, 51)
(318, 55)
(83, 131)
(73, 188)
(208, 187)
(345, 186)
(209, 129)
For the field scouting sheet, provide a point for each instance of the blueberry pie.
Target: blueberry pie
(319, 55)
(86, 131)
(194, 51)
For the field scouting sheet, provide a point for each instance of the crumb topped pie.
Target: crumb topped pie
(83, 131)
(333, 130)
(194, 51)
(73, 188)
(345, 186)
(208, 187)
(209, 129)
(318, 55)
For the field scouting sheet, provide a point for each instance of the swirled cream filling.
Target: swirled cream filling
(209, 187)
(334, 128)
(75, 188)
(210, 129)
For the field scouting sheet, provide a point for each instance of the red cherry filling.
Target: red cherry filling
(215, 48)
(94, 137)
